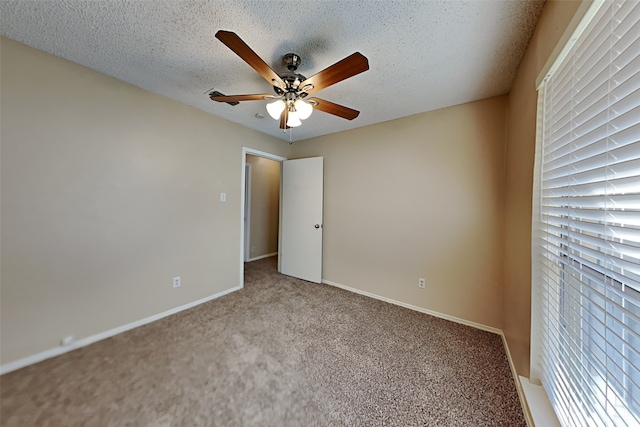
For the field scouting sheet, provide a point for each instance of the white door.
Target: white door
(301, 245)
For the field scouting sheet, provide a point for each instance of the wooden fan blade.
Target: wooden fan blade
(341, 70)
(335, 109)
(283, 119)
(235, 43)
(236, 98)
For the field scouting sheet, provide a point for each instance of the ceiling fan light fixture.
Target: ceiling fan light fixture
(304, 109)
(276, 108)
(293, 120)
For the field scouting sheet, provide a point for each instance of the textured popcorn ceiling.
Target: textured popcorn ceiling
(423, 55)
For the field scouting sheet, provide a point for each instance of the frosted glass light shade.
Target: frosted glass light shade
(294, 119)
(304, 109)
(276, 108)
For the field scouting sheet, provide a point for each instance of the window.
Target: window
(586, 267)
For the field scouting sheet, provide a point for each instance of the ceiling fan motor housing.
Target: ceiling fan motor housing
(292, 83)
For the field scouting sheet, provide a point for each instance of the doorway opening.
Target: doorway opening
(261, 203)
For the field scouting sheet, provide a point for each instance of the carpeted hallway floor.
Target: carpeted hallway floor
(281, 352)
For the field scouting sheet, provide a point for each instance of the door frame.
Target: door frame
(247, 212)
(280, 159)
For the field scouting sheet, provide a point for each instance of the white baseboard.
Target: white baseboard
(416, 308)
(47, 354)
(521, 395)
(262, 257)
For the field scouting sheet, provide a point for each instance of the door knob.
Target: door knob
(317, 226)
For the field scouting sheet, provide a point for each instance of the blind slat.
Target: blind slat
(611, 187)
(616, 201)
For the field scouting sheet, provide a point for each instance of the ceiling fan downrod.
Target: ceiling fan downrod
(291, 60)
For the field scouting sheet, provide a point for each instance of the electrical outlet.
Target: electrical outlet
(253, 249)
(176, 282)
(421, 283)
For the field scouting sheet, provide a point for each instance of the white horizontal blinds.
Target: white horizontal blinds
(588, 266)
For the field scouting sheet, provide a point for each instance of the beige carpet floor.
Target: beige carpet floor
(281, 352)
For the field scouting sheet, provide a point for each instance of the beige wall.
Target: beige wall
(420, 196)
(521, 135)
(108, 192)
(265, 206)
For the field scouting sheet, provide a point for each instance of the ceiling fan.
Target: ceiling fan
(291, 100)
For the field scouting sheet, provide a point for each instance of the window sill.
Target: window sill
(539, 405)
